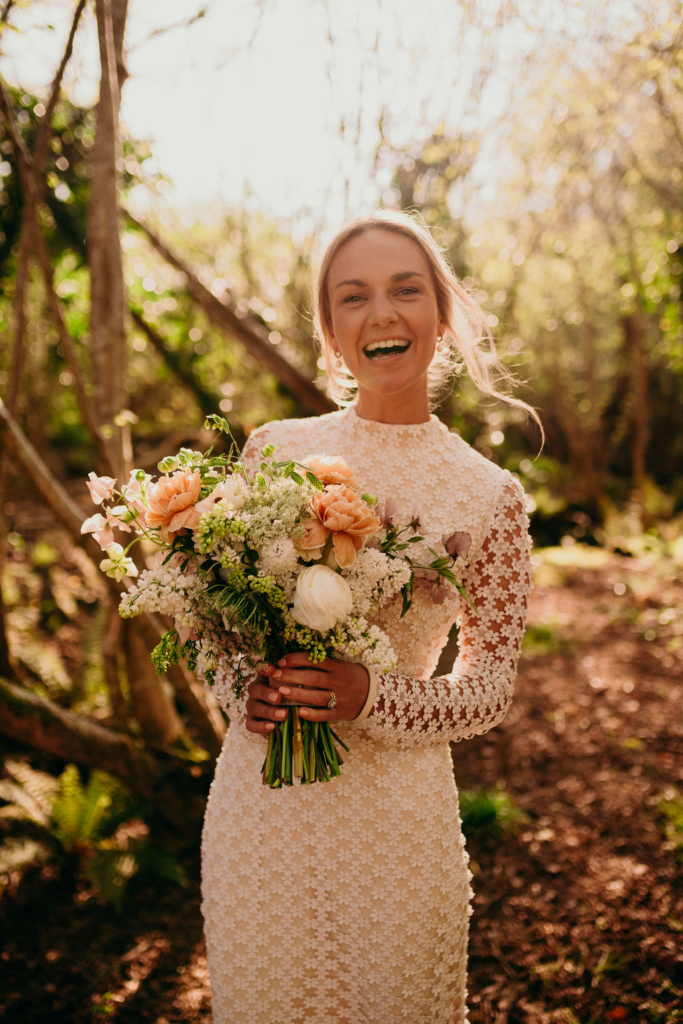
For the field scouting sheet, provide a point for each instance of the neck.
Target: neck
(409, 406)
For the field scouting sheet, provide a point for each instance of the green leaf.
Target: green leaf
(312, 479)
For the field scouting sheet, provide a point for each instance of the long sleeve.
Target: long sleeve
(477, 693)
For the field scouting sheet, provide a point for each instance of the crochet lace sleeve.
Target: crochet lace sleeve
(476, 694)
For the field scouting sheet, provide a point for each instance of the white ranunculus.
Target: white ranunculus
(322, 598)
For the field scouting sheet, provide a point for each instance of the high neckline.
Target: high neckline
(351, 416)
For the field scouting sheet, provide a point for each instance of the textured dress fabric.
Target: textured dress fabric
(348, 902)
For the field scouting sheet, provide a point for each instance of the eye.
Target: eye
(350, 298)
(408, 290)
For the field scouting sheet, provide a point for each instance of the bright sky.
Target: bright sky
(241, 101)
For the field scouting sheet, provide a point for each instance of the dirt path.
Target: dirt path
(578, 917)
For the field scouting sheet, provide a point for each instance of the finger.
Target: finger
(318, 714)
(259, 709)
(264, 728)
(299, 677)
(296, 695)
(262, 691)
(301, 658)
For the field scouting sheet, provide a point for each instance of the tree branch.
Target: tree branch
(45, 725)
(249, 331)
(45, 126)
(178, 797)
(178, 363)
(26, 166)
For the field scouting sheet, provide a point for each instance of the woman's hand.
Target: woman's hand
(297, 680)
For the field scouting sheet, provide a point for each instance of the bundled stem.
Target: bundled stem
(301, 750)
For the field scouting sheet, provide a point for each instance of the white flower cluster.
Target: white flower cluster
(275, 512)
(367, 644)
(163, 589)
(280, 559)
(375, 578)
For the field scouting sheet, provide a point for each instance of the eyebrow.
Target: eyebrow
(401, 276)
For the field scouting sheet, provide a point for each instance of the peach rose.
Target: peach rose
(331, 469)
(350, 521)
(171, 502)
(312, 544)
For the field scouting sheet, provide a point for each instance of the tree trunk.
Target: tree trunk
(152, 706)
(6, 668)
(200, 706)
(635, 328)
(177, 796)
(107, 327)
(45, 725)
(587, 482)
(110, 664)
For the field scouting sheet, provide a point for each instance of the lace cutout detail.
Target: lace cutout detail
(476, 695)
(349, 902)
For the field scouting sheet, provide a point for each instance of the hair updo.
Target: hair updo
(467, 342)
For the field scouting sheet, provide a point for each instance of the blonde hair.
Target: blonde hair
(467, 342)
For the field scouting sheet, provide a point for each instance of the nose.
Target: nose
(382, 312)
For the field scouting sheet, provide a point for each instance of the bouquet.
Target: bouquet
(255, 565)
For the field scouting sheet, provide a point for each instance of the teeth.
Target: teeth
(398, 344)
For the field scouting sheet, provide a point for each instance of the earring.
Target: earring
(438, 343)
(339, 358)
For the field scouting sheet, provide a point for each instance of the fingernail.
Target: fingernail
(273, 697)
(277, 673)
(303, 712)
(281, 713)
(270, 726)
(285, 691)
(281, 661)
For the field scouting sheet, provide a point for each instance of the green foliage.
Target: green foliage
(97, 824)
(169, 651)
(671, 823)
(489, 812)
(543, 639)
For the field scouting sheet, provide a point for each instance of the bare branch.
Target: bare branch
(183, 24)
(19, 317)
(43, 724)
(249, 331)
(177, 795)
(6, 11)
(179, 365)
(45, 127)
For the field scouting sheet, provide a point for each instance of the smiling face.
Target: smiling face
(384, 313)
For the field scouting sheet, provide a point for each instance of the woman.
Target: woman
(348, 902)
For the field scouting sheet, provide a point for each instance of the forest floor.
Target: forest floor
(578, 913)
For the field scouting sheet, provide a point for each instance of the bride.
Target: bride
(348, 902)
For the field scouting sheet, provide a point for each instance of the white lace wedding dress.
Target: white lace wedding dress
(348, 902)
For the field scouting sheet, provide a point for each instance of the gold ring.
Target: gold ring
(332, 702)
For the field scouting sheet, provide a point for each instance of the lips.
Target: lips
(386, 349)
